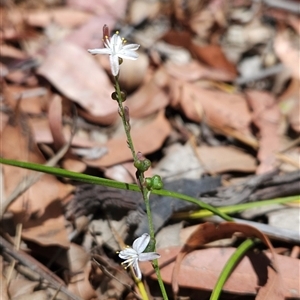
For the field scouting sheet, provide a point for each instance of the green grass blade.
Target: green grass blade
(230, 265)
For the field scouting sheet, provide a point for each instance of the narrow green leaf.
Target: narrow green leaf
(110, 183)
(230, 266)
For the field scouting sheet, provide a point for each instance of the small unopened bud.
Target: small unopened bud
(123, 96)
(148, 183)
(142, 165)
(120, 60)
(126, 111)
(157, 183)
(114, 96)
(105, 31)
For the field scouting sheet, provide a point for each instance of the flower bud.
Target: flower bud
(157, 183)
(114, 96)
(148, 183)
(123, 96)
(142, 165)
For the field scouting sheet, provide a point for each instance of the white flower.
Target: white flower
(116, 48)
(135, 254)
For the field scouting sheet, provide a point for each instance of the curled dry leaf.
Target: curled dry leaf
(73, 70)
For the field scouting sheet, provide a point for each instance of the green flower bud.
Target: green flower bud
(148, 183)
(157, 183)
(142, 165)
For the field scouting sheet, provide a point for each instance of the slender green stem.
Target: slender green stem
(159, 279)
(141, 180)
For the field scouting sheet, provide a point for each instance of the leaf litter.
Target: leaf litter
(213, 84)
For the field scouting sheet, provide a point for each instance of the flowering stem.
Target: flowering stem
(141, 180)
(123, 117)
(159, 279)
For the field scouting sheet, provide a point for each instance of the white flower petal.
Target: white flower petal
(116, 48)
(140, 244)
(100, 51)
(114, 64)
(148, 256)
(131, 47)
(137, 270)
(128, 252)
(128, 54)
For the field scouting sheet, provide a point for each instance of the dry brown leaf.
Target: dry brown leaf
(74, 165)
(21, 286)
(146, 138)
(39, 295)
(41, 199)
(213, 56)
(266, 116)
(195, 70)
(42, 134)
(49, 228)
(62, 16)
(151, 96)
(12, 52)
(209, 232)
(78, 258)
(114, 8)
(80, 284)
(74, 72)
(219, 109)
(226, 158)
(273, 288)
(31, 100)
(142, 10)
(200, 270)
